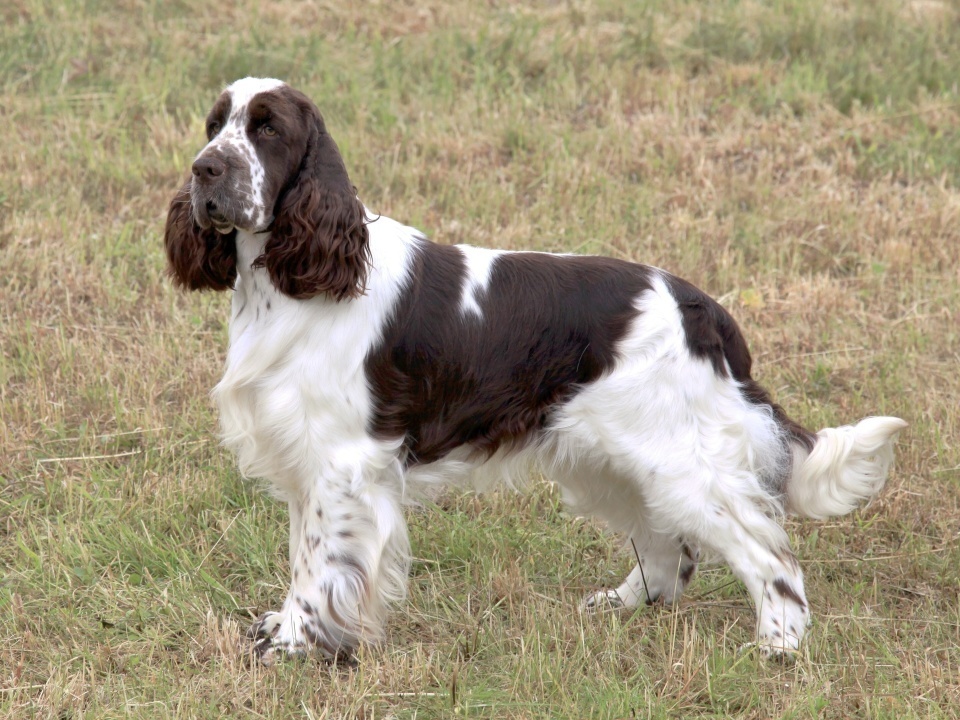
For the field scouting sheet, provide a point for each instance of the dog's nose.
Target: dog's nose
(208, 168)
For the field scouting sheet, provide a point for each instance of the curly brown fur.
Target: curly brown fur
(319, 241)
(199, 259)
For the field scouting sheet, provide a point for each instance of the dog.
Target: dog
(365, 361)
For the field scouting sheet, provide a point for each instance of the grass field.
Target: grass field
(798, 159)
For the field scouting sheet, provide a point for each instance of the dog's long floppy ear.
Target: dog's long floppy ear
(319, 240)
(199, 259)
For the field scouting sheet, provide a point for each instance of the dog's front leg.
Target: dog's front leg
(349, 559)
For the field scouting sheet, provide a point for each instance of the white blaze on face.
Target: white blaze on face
(233, 141)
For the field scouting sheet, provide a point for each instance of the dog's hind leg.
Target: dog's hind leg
(665, 566)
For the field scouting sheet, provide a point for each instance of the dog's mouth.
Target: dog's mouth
(208, 214)
(218, 220)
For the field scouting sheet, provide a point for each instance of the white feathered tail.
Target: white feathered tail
(846, 466)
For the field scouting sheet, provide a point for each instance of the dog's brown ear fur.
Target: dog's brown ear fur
(199, 259)
(319, 241)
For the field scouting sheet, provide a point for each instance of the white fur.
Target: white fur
(848, 465)
(670, 454)
(294, 407)
(479, 265)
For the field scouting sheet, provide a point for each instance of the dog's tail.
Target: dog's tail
(838, 468)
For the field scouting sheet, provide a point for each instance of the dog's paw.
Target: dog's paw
(602, 601)
(772, 653)
(268, 644)
(277, 636)
(266, 626)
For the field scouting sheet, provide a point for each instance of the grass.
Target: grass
(798, 159)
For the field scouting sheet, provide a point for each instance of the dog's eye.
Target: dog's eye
(213, 128)
(268, 131)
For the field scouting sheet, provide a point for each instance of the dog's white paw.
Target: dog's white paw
(772, 653)
(602, 601)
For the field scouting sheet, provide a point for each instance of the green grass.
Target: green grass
(799, 160)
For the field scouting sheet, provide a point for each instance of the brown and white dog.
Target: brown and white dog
(365, 360)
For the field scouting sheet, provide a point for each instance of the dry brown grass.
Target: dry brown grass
(799, 160)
